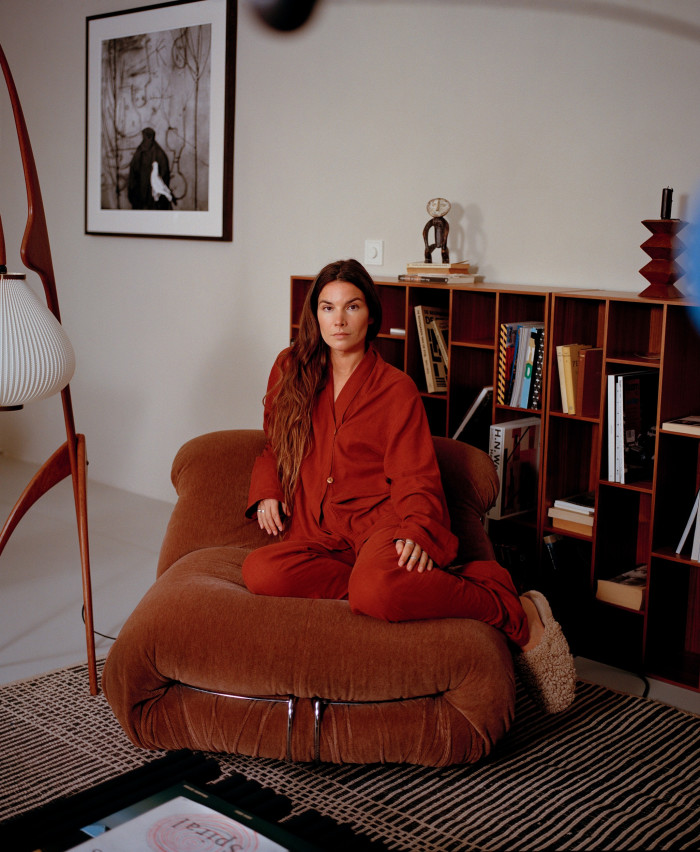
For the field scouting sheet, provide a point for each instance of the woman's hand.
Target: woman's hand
(269, 515)
(413, 556)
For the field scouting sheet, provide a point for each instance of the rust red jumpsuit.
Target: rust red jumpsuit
(371, 478)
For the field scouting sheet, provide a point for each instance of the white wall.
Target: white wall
(551, 126)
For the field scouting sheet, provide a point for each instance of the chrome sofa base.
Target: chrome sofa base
(319, 704)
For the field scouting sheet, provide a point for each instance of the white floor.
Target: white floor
(41, 625)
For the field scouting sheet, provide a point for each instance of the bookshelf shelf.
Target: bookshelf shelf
(635, 522)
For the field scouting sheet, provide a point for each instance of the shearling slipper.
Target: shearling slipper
(547, 671)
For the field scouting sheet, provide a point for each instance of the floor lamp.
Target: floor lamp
(36, 359)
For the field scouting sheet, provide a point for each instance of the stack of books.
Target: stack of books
(574, 514)
(459, 272)
(580, 368)
(520, 361)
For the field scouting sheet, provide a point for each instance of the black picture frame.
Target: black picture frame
(160, 89)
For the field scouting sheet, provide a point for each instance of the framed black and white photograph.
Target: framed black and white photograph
(159, 121)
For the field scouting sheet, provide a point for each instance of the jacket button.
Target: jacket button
(330, 480)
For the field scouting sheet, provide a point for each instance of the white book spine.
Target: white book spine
(620, 430)
(692, 518)
(611, 427)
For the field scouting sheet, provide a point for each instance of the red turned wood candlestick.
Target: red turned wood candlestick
(662, 271)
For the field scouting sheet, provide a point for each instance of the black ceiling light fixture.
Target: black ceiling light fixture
(284, 15)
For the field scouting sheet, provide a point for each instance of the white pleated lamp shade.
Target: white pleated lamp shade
(36, 356)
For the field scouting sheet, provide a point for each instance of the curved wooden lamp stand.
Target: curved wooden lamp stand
(70, 459)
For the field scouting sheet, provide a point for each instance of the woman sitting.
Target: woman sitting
(350, 485)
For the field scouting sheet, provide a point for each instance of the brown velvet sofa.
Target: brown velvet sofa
(328, 684)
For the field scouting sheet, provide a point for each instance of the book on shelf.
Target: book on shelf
(568, 357)
(439, 329)
(632, 405)
(524, 361)
(433, 364)
(421, 267)
(692, 520)
(535, 400)
(441, 278)
(590, 370)
(627, 589)
(475, 425)
(514, 448)
(688, 425)
(572, 352)
(572, 527)
(562, 379)
(583, 503)
(517, 360)
(570, 515)
(535, 342)
(506, 350)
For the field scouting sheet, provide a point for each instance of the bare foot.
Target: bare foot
(534, 622)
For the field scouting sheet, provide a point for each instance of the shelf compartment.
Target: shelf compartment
(574, 321)
(393, 299)
(680, 396)
(577, 321)
(570, 472)
(436, 409)
(433, 297)
(678, 480)
(566, 581)
(635, 332)
(673, 628)
(615, 637)
(623, 530)
(516, 306)
(391, 349)
(470, 370)
(473, 318)
(649, 395)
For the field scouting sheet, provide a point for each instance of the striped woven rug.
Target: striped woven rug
(613, 772)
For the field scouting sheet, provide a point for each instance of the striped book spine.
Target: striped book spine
(502, 356)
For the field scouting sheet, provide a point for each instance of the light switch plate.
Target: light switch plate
(374, 252)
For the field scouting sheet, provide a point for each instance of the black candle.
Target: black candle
(666, 203)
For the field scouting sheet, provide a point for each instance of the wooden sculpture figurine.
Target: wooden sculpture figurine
(437, 207)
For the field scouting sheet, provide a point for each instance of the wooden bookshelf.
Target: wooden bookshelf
(640, 521)
(636, 522)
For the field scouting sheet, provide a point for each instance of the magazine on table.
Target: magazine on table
(184, 818)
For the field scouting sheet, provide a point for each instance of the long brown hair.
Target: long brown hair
(305, 369)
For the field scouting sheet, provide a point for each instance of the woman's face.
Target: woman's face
(343, 317)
